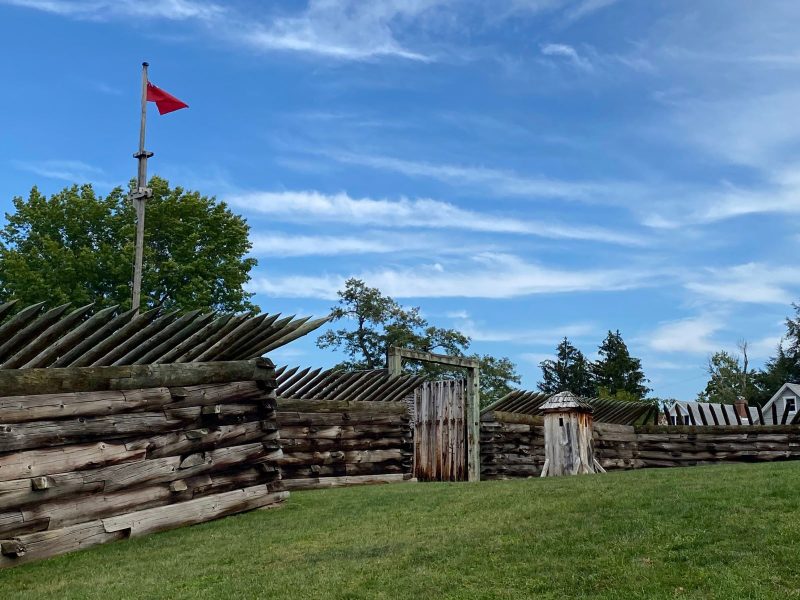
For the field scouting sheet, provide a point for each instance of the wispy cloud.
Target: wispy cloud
(483, 276)
(568, 53)
(285, 245)
(305, 206)
(533, 336)
(173, 10)
(584, 8)
(755, 283)
(351, 30)
(72, 171)
(499, 182)
(692, 335)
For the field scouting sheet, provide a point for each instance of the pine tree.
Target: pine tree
(617, 374)
(570, 372)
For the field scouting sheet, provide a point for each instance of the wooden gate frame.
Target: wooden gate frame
(395, 357)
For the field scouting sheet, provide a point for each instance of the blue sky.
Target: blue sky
(520, 169)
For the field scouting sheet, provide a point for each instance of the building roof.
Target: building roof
(605, 411)
(791, 387)
(565, 402)
(34, 337)
(334, 384)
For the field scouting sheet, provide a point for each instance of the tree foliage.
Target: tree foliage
(729, 378)
(570, 372)
(77, 246)
(782, 368)
(372, 322)
(616, 373)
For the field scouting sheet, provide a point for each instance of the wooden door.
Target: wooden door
(440, 441)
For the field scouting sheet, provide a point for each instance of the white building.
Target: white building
(788, 396)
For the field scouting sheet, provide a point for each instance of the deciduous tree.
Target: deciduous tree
(77, 246)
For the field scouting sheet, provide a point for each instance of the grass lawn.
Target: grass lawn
(702, 532)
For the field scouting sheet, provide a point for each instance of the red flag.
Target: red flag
(165, 102)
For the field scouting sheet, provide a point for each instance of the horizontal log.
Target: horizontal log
(35, 463)
(127, 475)
(37, 546)
(501, 417)
(310, 445)
(19, 409)
(203, 438)
(348, 432)
(221, 393)
(17, 382)
(332, 419)
(22, 436)
(341, 406)
(315, 483)
(194, 511)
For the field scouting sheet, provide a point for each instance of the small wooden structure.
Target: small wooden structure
(568, 445)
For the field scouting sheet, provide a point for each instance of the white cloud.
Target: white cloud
(750, 283)
(584, 8)
(544, 336)
(497, 182)
(173, 10)
(567, 52)
(348, 29)
(485, 275)
(72, 171)
(686, 335)
(284, 245)
(312, 206)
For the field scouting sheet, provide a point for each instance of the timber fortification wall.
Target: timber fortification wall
(94, 454)
(512, 445)
(334, 443)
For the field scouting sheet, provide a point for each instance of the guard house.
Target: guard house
(568, 445)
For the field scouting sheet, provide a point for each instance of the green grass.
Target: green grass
(703, 532)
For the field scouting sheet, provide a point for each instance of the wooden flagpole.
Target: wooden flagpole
(139, 197)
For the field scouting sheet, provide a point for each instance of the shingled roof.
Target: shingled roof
(33, 337)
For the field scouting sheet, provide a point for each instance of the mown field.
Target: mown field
(703, 532)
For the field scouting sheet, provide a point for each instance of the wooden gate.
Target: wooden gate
(440, 444)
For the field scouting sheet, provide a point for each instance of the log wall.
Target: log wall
(335, 443)
(512, 445)
(89, 457)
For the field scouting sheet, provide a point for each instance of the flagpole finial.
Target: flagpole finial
(145, 64)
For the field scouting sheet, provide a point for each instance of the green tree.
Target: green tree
(497, 375)
(77, 246)
(570, 372)
(782, 368)
(727, 379)
(617, 374)
(372, 322)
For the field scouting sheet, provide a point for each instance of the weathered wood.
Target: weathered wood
(74, 341)
(312, 483)
(46, 337)
(37, 434)
(192, 512)
(20, 409)
(34, 463)
(289, 405)
(15, 382)
(58, 541)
